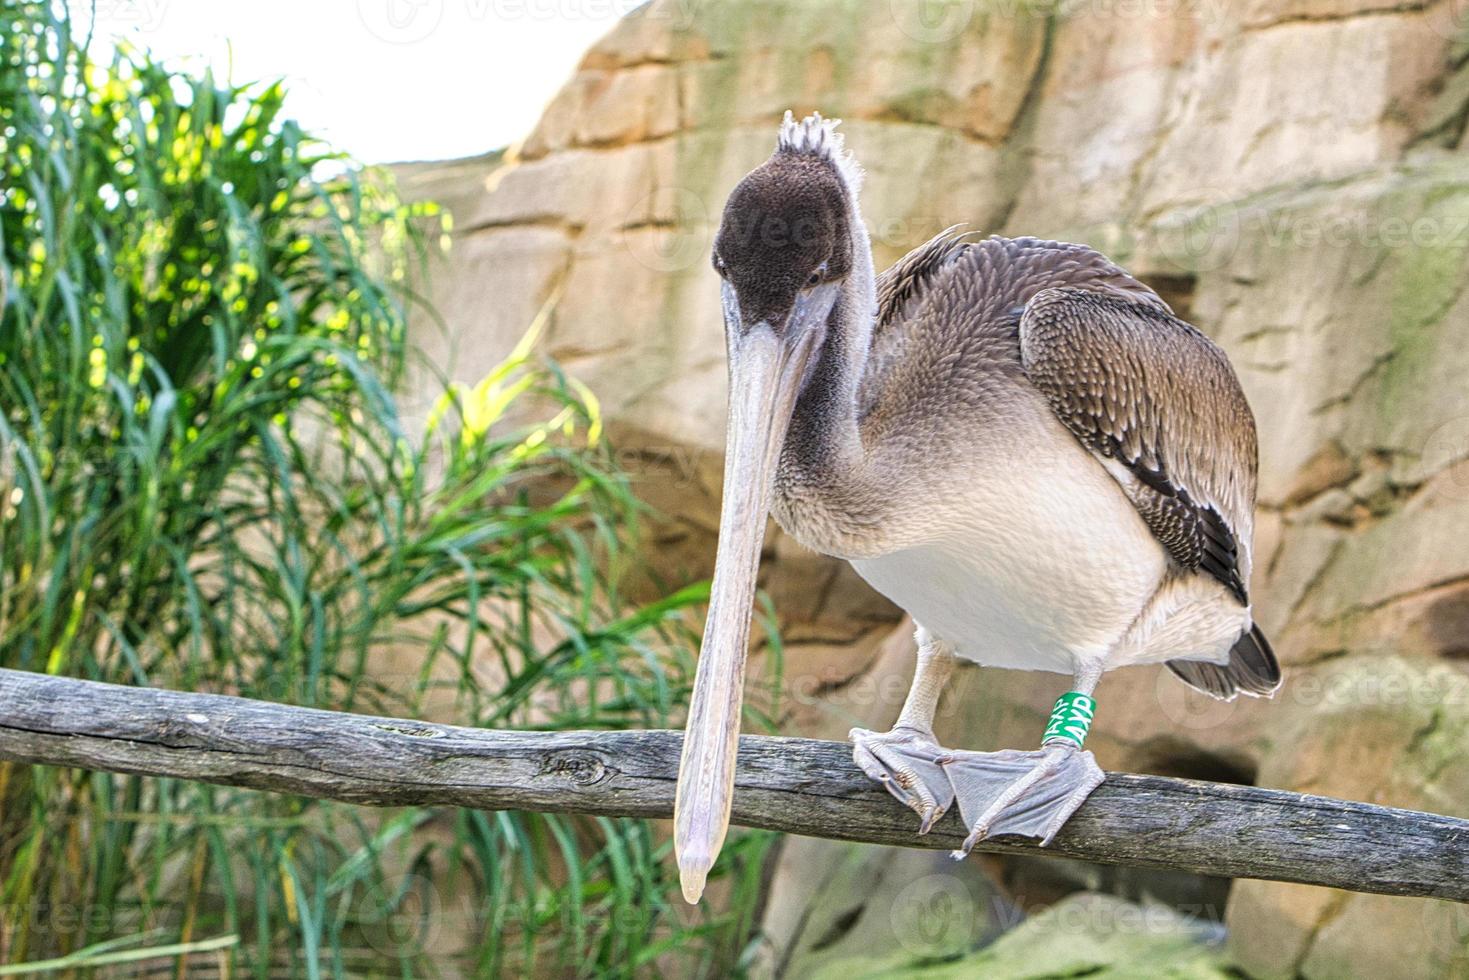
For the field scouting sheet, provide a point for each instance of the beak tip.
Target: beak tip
(693, 872)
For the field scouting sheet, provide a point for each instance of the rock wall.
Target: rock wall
(1292, 176)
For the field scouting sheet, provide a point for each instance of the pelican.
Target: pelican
(1013, 439)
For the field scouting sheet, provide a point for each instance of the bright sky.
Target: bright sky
(382, 79)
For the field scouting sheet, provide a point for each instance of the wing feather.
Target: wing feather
(896, 287)
(1159, 404)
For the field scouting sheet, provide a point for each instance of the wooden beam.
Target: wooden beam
(794, 785)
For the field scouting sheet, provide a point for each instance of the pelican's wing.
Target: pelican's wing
(1158, 403)
(898, 284)
(910, 273)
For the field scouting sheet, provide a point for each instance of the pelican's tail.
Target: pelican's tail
(1252, 670)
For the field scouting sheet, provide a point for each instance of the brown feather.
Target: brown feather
(1139, 386)
(1252, 669)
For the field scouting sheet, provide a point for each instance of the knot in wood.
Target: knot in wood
(412, 731)
(577, 766)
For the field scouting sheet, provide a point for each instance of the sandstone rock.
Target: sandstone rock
(1087, 935)
(1276, 921)
(1443, 624)
(1376, 728)
(609, 107)
(834, 908)
(1329, 467)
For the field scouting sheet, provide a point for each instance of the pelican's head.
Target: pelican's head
(785, 244)
(784, 250)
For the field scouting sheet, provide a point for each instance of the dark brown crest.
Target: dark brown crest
(786, 227)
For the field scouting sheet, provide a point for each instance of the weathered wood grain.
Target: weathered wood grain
(794, 785)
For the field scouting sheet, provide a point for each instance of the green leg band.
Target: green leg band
(1071, 718)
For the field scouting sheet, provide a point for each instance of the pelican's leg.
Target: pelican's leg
(1031, 794)
(906, 759)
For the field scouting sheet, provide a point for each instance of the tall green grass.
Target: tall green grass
(206, 483)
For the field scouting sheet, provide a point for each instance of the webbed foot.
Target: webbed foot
(1031, 794)
(905, 762)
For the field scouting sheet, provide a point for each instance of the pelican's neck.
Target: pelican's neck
(823, 445)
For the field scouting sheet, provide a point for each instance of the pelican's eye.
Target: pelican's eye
(719, 265)
(815, 278)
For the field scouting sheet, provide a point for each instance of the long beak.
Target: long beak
(764, 381)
